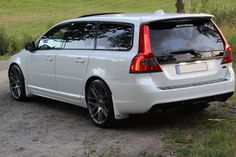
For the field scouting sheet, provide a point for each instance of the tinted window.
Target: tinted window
(54, 38)
(80, 36)
(169, 38)
(114, 36)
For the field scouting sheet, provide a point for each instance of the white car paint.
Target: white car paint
(62, 74)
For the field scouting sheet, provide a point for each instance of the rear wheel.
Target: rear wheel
(17, 83)
(100, 106)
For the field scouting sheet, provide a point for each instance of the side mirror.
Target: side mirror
(30, 46)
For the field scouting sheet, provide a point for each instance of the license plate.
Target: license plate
(189, 68)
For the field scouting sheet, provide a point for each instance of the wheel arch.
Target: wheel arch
(117, 114)
(23, 73)
(14, 63)
(91, 79)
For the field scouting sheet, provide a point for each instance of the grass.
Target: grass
(212, 134)
(5, 57)
(34, 16)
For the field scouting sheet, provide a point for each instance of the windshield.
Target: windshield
(171, 37)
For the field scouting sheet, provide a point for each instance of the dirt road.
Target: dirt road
(41, 127)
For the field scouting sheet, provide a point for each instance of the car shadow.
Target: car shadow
(172, 118)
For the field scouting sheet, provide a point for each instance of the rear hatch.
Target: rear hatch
(189, 52)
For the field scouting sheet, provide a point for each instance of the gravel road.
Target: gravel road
(41, 127)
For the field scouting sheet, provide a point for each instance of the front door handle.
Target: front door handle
(79, 60)
(49, 59)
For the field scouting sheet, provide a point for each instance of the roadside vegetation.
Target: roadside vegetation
(210, 134)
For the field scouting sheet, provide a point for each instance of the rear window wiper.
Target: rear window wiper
(190, 51)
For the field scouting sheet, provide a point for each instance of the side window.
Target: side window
(81, 36)
(113, 36)
(54, 38)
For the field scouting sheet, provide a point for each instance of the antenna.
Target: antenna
(159, 12)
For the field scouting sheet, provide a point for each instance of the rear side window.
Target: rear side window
(171, 37)
(80, 36)
(112, 36)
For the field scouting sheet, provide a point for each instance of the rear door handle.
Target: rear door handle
(49, 59)
(79, 60)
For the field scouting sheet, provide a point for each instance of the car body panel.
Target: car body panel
(143, 89)
(40, 67)
(65, 77)
(70, 70)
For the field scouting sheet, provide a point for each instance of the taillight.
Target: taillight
(228, 55)
(144, 61)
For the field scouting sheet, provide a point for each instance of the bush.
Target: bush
(27, 37)
(198, 6)
(10, 44)
(4, 44)
(224, 15)
(232, 40)
(13, 46)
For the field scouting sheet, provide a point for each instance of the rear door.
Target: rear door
(189, 51)
(72, 61)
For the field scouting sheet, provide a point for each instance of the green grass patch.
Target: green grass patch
(33, 16)
(5, 57)
(220, 141)
(212, 134)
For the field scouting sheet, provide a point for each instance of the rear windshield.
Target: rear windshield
(171, 37)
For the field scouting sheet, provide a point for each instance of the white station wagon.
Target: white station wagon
(117, 64)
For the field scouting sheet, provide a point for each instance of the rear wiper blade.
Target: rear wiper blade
(190, 51)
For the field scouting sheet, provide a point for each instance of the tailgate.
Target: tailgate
(189, 52)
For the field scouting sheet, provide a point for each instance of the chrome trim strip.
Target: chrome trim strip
(192, 84)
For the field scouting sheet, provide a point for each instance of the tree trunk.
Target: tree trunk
(180, 6)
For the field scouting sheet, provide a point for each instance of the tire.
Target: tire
(16, 83)
(100, 105)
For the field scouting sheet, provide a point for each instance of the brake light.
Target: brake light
(228, 54)
(144, 61)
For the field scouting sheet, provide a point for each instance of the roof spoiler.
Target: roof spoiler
(96, 14)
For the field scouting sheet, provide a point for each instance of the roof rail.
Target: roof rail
(99, 14)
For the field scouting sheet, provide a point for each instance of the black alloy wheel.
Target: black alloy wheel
(100, 105)
(16, 83)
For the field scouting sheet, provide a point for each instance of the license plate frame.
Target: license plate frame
(191, 68)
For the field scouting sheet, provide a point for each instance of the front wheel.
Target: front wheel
(100, 105)
(16, 83)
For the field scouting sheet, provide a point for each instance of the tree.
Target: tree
(180, 6)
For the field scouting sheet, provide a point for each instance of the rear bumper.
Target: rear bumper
(140, 94)
(221, 98)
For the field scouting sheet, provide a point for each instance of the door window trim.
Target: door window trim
(121, 23)
(58, 25)
(96, 29)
